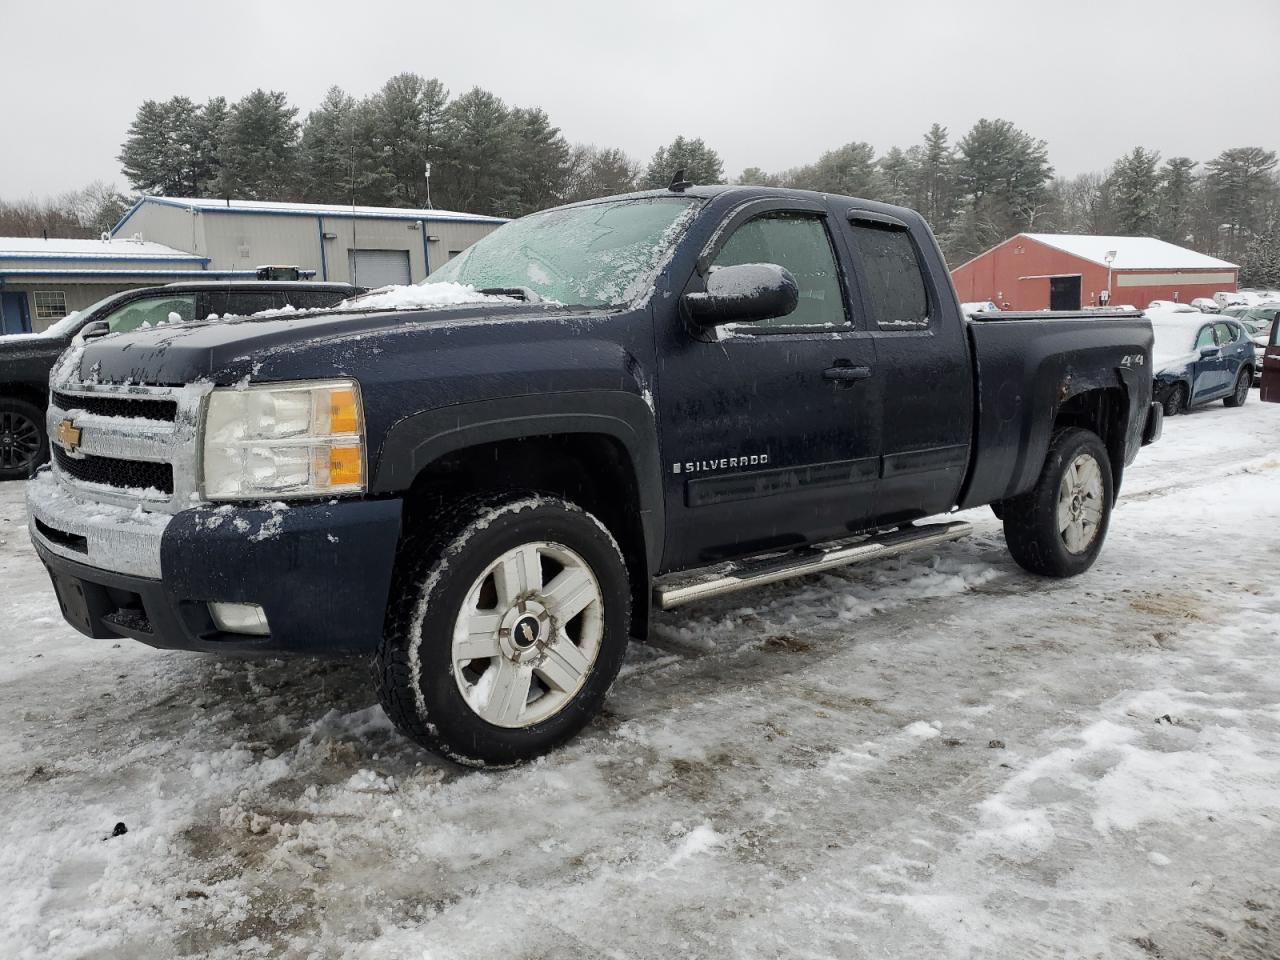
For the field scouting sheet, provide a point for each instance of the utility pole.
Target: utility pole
(428, 172)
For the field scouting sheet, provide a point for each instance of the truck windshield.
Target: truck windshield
(597, 255)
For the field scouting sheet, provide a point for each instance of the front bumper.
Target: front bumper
(321, 571)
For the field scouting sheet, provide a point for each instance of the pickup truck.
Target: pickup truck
(27, 358)
(486, 482)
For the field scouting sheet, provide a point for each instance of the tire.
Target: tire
(1176, 402)
(1244, 382)
(24, 445)
(1068, 492)
(475, 575)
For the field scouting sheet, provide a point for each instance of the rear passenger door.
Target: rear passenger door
(922, 366)
(1207, 377)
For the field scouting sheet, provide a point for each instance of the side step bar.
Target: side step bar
(747, 574)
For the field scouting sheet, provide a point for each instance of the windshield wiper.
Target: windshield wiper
(526, 294)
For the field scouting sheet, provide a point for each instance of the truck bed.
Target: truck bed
(1028, 366)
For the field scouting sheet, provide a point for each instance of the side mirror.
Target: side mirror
(1208, 353)
(744, 294)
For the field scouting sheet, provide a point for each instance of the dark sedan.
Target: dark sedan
(26, 359)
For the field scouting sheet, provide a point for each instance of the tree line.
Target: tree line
(488, 157)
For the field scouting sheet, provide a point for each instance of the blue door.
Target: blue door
(13, 313)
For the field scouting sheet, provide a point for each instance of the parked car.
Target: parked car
(980, 306)
(1206, 305)
(1271, 367)
(1259, 322)
(1196, 361)
(606, 402)
(1172, 306)
(26, 358)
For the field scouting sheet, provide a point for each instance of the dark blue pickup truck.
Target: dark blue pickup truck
(486, 482)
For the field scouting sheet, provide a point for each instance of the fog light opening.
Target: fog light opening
(240, 618)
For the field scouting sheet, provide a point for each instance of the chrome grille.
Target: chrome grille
(138, 445)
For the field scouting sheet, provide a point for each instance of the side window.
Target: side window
(151, 312)
(314, 299)
(800, 244)
(245, 303)
(1226, 333)
(895, 283)
(1205, 339)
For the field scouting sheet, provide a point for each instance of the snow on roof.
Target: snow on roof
(317, 209)
(1132, 253)
(55, 248)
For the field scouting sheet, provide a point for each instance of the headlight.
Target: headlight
(284, 440)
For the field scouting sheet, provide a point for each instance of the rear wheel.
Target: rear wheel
(1057, 529)
(1241, 392)
(506, 628)
(1176, 401)
(23, 444)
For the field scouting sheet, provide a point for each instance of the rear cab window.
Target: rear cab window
(152, 312)
(892, 276)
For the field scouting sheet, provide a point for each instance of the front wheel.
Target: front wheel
(1241, 392)
(1057, 529)
(506, 628)
(1176, 401)
(23, 444)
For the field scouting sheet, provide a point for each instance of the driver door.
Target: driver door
(769, 440)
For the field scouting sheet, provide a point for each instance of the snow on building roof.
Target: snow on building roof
(121, 248)
(1132, 253)
(210, 204)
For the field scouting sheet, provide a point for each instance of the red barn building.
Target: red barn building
(1051, 271)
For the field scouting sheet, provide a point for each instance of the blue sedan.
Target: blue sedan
(1198, 359)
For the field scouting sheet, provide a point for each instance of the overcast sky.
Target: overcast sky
(766, 84)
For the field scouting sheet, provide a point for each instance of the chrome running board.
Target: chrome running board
(745, 574)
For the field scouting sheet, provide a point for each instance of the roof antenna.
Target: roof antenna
(678, 183)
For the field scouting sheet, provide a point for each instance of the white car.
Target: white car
(1171, 306)
(1206, 305)
(984, 306)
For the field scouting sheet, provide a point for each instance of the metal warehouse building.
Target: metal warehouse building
(1039, 271)
(165, 239)
(369, 246)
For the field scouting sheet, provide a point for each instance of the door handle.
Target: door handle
(846, 373)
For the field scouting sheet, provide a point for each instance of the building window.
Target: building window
(50, 304)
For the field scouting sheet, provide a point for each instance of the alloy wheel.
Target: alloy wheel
(1080, 503)
(528, 634)
(19, 441)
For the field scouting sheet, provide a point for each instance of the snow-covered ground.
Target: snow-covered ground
(939, 756)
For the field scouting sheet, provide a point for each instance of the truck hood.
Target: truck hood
(277, 347)
(30, 346)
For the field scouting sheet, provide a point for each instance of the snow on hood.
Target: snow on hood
(419, 296)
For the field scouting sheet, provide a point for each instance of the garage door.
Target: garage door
(378, 268)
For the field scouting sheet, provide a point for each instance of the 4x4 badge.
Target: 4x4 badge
(69, 436)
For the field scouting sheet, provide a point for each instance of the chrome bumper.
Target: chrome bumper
(107, 536)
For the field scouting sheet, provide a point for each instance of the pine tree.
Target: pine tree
(935, 190)
(541, 161)
(1177, 199)
(756, 177)
(700, 164)
(899, 172)
(1260, 265)
(409, 132)
(259, 147)
(152, 156)
(1238, 180)
(1004, 174)
(476, 173)
(1135, 186)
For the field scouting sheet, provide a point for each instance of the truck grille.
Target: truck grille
(118, 406)
(122, 474)
(135, 444)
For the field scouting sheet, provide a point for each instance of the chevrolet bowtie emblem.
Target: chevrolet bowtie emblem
(69, 436)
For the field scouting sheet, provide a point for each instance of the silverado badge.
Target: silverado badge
(69, 436)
